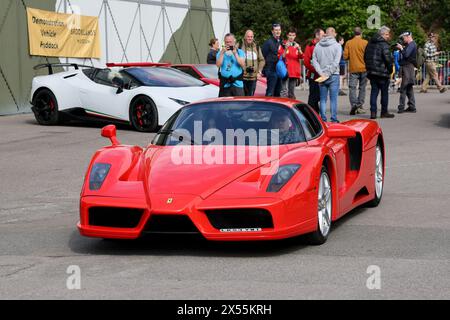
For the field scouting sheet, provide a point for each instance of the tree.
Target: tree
(257, 15)
(344, 16)
(417, 16)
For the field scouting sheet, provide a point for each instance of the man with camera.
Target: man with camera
(254, 63)
(292, 53)
(408, 63)
(231, 63)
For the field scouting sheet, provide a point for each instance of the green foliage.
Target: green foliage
(417, 16)
(257, 15)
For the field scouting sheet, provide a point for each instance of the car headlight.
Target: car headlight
(282, 177)
(181, 102)
(98, 175)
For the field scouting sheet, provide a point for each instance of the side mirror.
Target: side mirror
(110, 132)
(340, 131)
(118, 82)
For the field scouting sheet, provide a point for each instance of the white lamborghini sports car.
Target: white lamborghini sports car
(144, 95)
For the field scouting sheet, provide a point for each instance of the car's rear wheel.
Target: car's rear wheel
(45, 107)
(378, 177)
(143, 114)
(324, 209)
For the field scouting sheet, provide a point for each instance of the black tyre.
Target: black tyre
(45, 108)
(378, 177)
(143, 114)
(324, 210)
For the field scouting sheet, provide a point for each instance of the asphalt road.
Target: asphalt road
(407, 237)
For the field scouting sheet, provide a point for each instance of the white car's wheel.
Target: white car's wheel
(45, 107)
(143, 114)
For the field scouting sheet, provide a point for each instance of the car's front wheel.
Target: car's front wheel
(324, 209)
(45, 107)
(378, 177)
(143, 114)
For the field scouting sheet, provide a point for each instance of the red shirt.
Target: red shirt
(307, 60)
(293, 57)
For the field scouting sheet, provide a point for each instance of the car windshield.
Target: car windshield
(245, 123)
(163, 77)
(209, 71)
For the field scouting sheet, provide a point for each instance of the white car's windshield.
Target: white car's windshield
(163, 77)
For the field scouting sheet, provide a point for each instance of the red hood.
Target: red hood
(164, 176)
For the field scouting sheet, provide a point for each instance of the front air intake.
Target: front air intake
(170, 223)
(240, 219)
(115, 217)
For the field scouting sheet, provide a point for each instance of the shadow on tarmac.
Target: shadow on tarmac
(196, 245)
(445, 121)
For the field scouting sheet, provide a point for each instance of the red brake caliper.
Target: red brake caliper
(139, 115)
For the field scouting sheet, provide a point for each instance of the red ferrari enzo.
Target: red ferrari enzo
(235, 169)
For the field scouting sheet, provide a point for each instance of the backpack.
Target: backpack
(421, 57)
(281, 69)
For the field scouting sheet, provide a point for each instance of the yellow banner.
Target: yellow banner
(62, 35)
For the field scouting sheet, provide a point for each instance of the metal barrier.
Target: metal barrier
(442, 68)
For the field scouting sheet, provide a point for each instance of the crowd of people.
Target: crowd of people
(325, 59)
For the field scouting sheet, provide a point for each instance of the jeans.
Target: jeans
(431, 73)
(379, 84)
(273, 83)
(250, 87)
(284, 92)
(355, 78)
(331, 87)
(407, 87)
(232, 92)
(291, 87)
(314, 95)
(407, 91)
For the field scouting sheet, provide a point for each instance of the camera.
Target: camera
(231, 48)
(250, 70)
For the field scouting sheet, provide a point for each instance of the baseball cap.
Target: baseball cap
(405, 34)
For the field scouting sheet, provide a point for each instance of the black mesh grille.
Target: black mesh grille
(162, 223)
(240, 218)
(115, 217)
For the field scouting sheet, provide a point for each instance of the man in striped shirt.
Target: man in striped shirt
(430, 64)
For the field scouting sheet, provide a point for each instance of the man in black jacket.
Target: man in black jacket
(270, 50)
(379, 63)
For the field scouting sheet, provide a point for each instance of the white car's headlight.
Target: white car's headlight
(181, 102)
